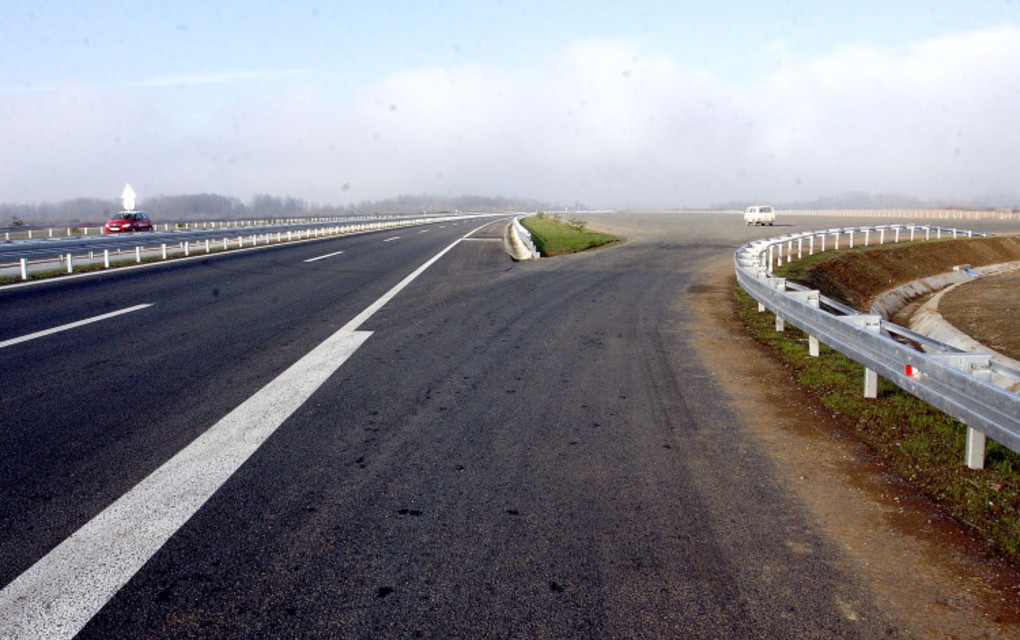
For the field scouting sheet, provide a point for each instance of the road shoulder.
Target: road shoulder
(933, 578)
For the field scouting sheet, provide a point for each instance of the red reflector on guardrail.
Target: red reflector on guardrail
(912, 371)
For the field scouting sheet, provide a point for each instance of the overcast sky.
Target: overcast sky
(613, 104)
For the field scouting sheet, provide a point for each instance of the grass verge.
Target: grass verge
(918, 442)
(554, 237)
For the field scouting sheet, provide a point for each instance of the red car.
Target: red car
(127, 221)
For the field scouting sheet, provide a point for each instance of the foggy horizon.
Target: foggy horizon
(650, 106)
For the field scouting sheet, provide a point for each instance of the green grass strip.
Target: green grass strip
(555, 237)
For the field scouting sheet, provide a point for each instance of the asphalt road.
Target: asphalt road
(519, 450)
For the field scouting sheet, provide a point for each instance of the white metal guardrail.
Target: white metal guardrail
(954, 381)
(524, 236)
(27, 257)
(14, 233)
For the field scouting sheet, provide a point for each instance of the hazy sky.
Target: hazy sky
(656, 104)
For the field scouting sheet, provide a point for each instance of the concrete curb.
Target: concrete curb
(928, 321)
(518, 248)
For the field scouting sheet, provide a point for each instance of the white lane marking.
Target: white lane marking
(424, 231)
(392, 239)
(65, 327)
(328, 255)
(59, 594)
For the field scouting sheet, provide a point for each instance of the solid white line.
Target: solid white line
(328, 255)
(79, 323)
(59, 594)
(392, 239)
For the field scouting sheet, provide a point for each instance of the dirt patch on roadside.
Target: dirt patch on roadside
(987, 310)
(854, 277)
(933, 578)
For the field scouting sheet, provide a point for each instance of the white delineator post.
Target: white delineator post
(812, 299)
(979, 366)
(874, 324)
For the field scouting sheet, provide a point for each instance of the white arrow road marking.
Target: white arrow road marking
(59, 594)
(65, 327)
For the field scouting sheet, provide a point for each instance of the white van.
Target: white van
(759, 214)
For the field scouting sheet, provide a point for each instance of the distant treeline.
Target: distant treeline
(209, 206)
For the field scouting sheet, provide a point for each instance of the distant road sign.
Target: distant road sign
(128, 198)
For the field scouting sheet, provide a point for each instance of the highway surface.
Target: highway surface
(268, 445)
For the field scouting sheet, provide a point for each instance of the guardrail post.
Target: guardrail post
(70, 263)
(979, 366)
(164, 251)
(106, 258)
(24, 268)
(812, 299)
(874, 324)
(779, 284)
(138, 254)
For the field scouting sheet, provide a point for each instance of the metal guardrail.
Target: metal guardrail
(40, 232)
(64, 254)
(952, 380)
(525, 237)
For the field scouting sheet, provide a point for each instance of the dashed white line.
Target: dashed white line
(59, 594)
(328, 255)
(72, 325)
(392, 239)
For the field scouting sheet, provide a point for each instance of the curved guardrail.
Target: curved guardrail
(527, 251)
(952, 380)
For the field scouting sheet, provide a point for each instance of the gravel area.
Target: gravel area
(987, 310)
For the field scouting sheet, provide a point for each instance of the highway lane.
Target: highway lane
(518, 450)
(89, 412)
(529, 450)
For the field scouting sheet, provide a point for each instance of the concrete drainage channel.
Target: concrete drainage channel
(949, 378)
(927, 320)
